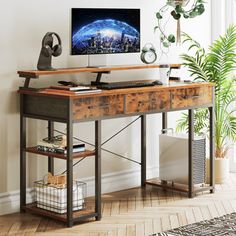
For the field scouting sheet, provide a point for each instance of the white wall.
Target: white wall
(22, 26)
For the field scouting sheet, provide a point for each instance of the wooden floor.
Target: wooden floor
(133, 212)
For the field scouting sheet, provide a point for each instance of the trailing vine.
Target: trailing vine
(177, 9)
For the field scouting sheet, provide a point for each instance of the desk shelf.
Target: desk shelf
(77, 215)
(178, 187)
(76, 155)
(33, 74)
(37, 73)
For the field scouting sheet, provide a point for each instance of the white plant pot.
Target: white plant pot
(221, 170)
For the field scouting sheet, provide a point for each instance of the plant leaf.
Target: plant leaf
(158, 15)
(215, 66)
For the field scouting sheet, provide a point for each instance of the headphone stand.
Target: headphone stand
(44, 63)
(48, 50)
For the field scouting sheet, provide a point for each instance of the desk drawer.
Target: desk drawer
(183, 98)
(96, 107)
(145, 102)
(47, 107)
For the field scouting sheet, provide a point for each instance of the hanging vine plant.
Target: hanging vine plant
(178, 9)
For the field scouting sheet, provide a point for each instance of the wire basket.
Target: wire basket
(53, 198)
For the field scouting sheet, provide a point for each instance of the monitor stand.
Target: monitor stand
(96, 61)
(99, 77)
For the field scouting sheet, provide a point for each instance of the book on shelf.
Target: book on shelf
(70, 88)
(50, 147)
(58, 145)
(88, 91)
(68, 92)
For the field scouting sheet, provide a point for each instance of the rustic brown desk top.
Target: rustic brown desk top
(119, 102)
(66, 94)
(37, 73)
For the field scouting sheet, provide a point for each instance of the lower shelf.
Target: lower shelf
(77, 215)
(86, 153)
(178, 187)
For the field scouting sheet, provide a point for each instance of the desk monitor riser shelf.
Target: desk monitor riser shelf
(70, 109)
(34, 74)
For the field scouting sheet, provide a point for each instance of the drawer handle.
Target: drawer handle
(140, 103)
(101, 106)
(187, 97)
(96, 107)
(179, 96)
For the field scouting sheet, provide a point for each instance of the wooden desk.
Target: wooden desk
(70, 108)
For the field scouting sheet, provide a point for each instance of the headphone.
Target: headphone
(47, 48)
(148, 47)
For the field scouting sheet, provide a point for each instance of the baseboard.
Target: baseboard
(10, 202)
(119, 180)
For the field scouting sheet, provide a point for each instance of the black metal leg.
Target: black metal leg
(98, 169)
(143, 150)
(211, 149)
(22, 157)
(164, 127)
(27, 82)
(164, 120)
(69, 164)
(50, 135)
(190, 151)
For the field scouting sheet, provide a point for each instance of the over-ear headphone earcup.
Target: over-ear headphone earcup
(56, 50)
(47, 51)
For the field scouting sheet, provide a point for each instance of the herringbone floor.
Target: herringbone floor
(133, 212)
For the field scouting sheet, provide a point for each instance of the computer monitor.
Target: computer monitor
(105, 31)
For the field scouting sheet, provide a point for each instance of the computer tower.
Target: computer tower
(173, 160)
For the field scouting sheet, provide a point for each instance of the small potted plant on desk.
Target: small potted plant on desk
(215, 66)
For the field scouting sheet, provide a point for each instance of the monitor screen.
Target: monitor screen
(105, 31)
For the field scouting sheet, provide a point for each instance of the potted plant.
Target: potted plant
(217, 66)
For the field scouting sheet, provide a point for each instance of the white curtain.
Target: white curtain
(223, 14)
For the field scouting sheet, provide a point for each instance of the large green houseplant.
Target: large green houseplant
(217, 66)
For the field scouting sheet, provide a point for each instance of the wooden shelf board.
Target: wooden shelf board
(76, 155)
(178, 187)
(61, 217)
(37, 73)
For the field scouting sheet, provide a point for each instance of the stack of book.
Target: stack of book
(51, 147)
(75, 90)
